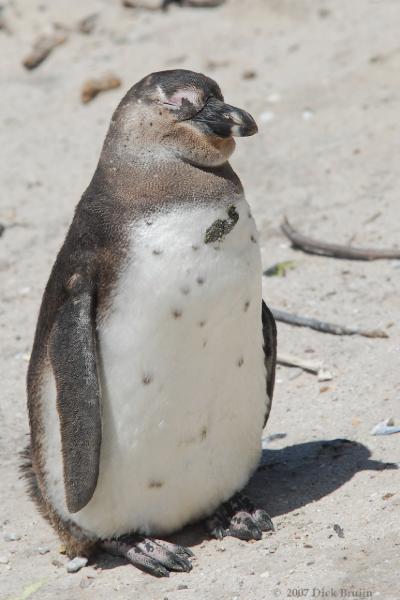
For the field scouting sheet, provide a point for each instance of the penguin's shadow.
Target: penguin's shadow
(290, 478)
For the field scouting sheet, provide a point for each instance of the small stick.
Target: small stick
(43, 46)
(290, 360)
(92, 87)
(336, 250)
(312, 366)
(323, 326)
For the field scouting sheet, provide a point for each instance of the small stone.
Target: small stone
(267, 116)
(182, 586)
(265, 574)
(273, 98)
(323, 13)
(339, 530)
(56, 563)
(11, 537)
(76, 564)
(4, 560)
(307, 114)
(387, 496)
(43, 549)
(145, 4)
(249, 74)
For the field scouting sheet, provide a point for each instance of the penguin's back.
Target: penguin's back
(182, 373)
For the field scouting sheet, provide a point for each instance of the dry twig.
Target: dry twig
(312, 366)
(336, 250)
(92, 87)
(43, 46)
(323, 326)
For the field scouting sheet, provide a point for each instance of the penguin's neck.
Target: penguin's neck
(164, 179)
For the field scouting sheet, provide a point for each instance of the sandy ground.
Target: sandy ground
(325, 92)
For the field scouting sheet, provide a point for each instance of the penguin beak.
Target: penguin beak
(224, 120)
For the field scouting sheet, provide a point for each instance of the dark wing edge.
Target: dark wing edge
(73, 357)
(270, 337)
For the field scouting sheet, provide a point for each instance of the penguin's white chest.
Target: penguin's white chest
(183, 377)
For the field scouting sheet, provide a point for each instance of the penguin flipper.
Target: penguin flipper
(72, 350)
(269, 333)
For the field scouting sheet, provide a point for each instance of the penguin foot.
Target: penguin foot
(239, 518)
(156, 557)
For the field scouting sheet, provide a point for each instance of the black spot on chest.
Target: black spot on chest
(221, 227)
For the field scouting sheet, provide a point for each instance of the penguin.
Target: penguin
(153, 364)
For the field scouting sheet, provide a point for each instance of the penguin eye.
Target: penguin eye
(180, 98)
(170, 102)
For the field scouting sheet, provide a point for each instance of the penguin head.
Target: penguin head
(183, 113)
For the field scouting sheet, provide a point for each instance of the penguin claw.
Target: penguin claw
(155, 557)
(181, 551)
(238, 518)
(244, 527)
(171, 560)
(263, 520)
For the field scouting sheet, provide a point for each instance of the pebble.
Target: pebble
(338, 530)
(4, 560)
(267, 116)
(307, 114)
(24, 291)
(76, 564)
(182, 586)
(265, 574)
(249, 74)
(57, 563)
(11, 537)
(273, 98)
(43, 549)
